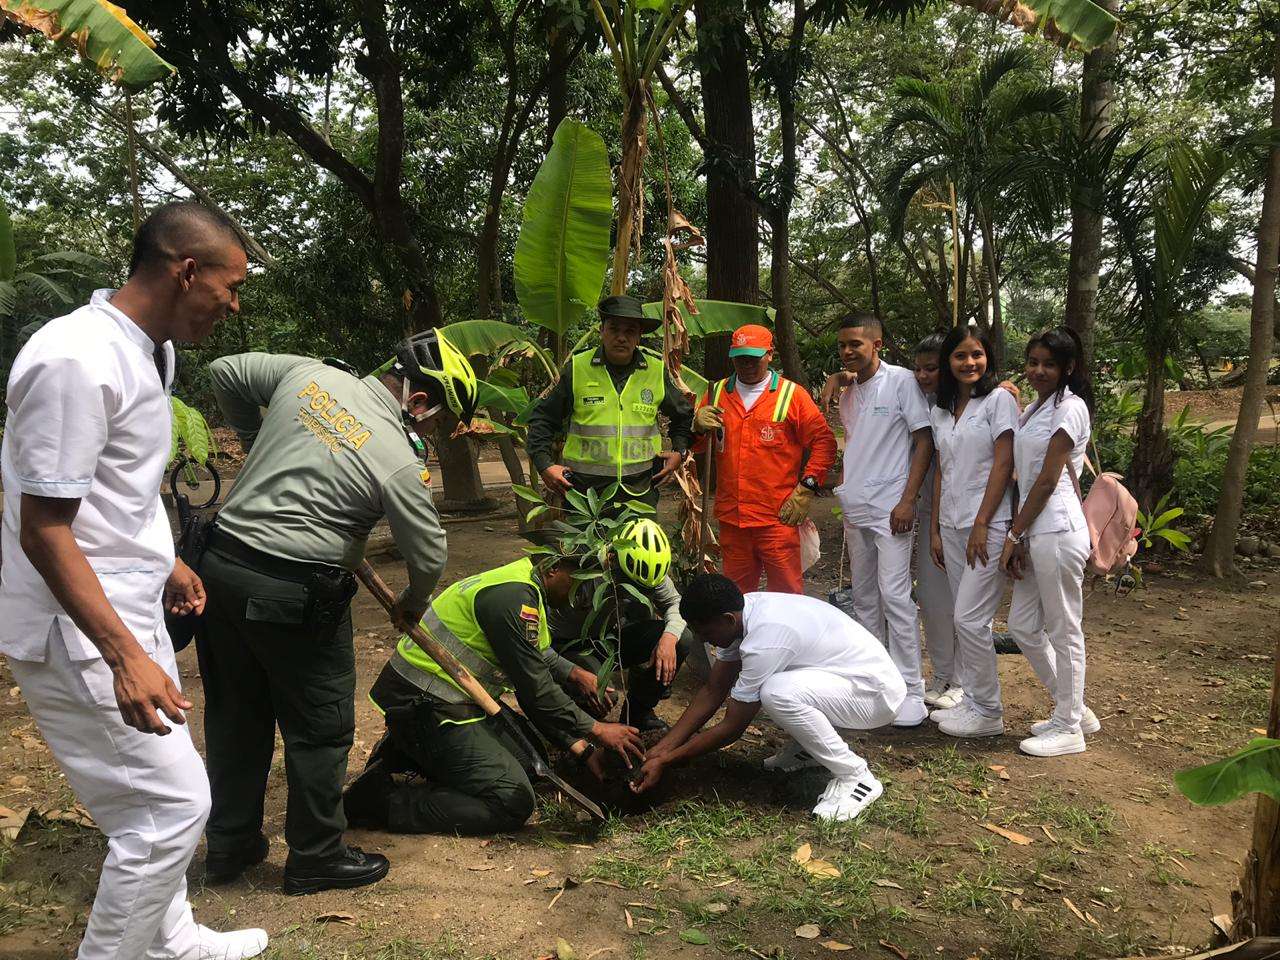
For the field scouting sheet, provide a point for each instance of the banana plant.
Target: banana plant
(101, 31)
(637, 33)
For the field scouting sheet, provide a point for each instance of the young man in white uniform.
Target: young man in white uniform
(887, 450)
(88, 563)
(809, 666)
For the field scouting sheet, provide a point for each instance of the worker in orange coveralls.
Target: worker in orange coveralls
(773, 448)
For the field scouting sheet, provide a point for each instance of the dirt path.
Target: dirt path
(1117, 861)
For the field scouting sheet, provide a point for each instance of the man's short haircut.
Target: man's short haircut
(709, 595)
(861, 318)
(181, 229)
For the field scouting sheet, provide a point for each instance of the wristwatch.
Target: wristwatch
(1015, 538)
(810, 484)
(586, 754)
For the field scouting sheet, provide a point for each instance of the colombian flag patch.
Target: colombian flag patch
(529, 613)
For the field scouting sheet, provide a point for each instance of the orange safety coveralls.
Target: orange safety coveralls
(760, 458)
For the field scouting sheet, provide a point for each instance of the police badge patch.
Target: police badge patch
(532, 621)
(646, 395)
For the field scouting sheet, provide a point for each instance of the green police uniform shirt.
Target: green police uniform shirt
(329, 459)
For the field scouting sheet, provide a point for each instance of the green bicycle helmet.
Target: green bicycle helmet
(429, 357)
(644, 552)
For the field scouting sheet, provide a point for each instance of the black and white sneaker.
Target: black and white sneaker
(846, 797)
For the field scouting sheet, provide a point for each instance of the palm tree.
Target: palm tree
(961, 138)
(1158, 202)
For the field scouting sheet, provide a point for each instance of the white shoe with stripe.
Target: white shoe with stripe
(846, 797)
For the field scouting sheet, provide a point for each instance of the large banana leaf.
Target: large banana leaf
(1253, 769)
(491, 338)
(1082, 23)
(497, 398)
(101, 31)
(563, 248)
(716, 316)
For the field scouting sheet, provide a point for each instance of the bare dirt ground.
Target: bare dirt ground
(1096, 855)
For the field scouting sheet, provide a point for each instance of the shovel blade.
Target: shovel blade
(541, 768)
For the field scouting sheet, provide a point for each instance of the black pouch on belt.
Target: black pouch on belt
(329, 593)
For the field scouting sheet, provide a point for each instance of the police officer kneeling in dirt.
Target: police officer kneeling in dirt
(465, 775)
(333, 455)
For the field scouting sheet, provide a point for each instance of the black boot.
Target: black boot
(646, 721)
(367, 799)
(350, 867)
(225, 867)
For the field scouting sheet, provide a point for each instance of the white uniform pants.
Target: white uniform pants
(977, 591)
(1045, 618)
(148, 794)
(933, 591)
(880, 576)
(809, 704)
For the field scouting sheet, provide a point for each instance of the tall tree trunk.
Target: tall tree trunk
(1085, 264)
(557, 81)
(1152, 465)
(488, 275)
(993, 279)
(630, 186)
(1220, 547)
(733, 227)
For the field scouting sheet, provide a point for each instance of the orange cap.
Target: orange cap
(751, 340)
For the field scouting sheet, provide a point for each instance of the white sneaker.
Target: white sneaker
(234, 945)
(790, 757)
(1053, 743)
(940, 715)
(942, 696)
(912, 713)
(1089, 723)
(846, 797)
(965, 721)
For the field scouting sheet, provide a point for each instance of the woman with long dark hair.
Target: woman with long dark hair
(1048, 542)
(973, 423)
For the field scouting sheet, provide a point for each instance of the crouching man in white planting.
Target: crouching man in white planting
(809, 666)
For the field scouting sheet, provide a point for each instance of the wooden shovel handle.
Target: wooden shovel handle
(446, 660)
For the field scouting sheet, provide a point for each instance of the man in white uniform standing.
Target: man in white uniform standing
(88, 564)
(810, 668)
(887, 450)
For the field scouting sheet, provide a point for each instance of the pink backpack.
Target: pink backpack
(1110, 512)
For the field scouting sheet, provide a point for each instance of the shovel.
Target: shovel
(473, 688)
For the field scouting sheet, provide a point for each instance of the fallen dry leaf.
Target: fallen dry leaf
(1048, 833)
(803, 853)
(886, 883)
(1074, 909)
(894, 948)
(821, 868)
(626, 915)
(12, 822)
(808, 931)
(999, 771)
(343, 918)
(1009, 835)
(836, 945)
(482, 866)
(716, 908)
(540, 872)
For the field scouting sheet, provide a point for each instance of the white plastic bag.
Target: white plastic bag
(810, 545)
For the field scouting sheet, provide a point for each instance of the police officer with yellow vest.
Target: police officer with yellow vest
(606, 408)
(333, 454)
(465, 773)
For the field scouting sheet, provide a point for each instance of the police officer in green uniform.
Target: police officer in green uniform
(606, 408)
(332, 455)
(466, 775)
(654, 639)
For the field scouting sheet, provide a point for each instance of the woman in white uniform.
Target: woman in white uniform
(933, 591)
(973, 423)
(1048, 542)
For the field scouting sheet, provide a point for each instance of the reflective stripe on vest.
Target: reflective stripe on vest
(451, 622)
(782, 403)
(612, 434)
